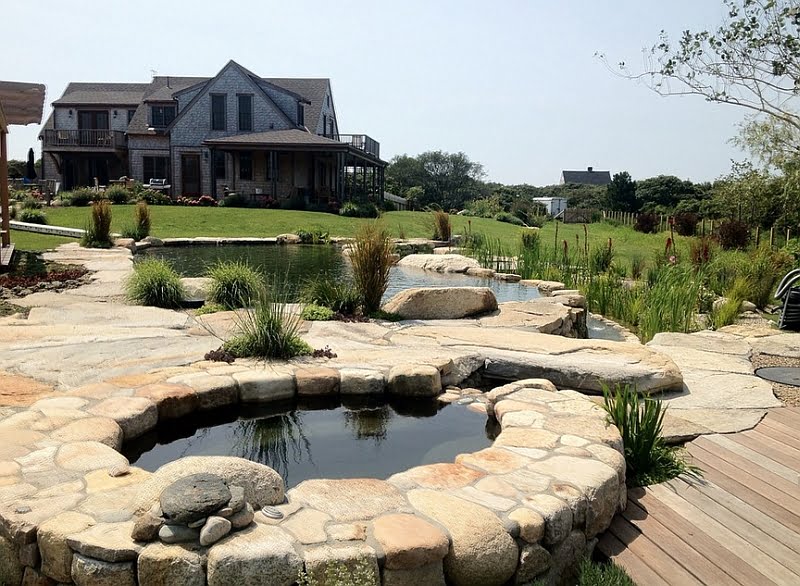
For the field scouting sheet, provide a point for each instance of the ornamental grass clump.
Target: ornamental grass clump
(141, 223)
(340, 296)
(98, 232)
(267, 330)
(372, 256)
(648, 459)
(154, 282)
(233, 284)
(442, 230)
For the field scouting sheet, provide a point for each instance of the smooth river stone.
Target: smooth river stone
(194, 497)
(214, 529)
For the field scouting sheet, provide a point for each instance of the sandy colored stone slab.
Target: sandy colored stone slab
(493, 460)
(96, 429)
(712, 390)
(135, 415)
(52, 538)
(350, 499)
(441, 302)
(692, 359)
(168, 565)
(100, 480)
(16, 390)
(252, 556)
(705, 341)
(258, 386)
(317, 381)
(172, 401)
(481, 552)
(110, 542)
(440, 263)
(86, 456)
(308, 526)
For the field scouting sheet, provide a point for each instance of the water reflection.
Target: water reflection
(325, 439)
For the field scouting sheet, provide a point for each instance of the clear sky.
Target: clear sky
(512, 83)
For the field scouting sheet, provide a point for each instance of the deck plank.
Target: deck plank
(779, 436)
(786, 415)
(762, 562)
(786, 472)
(782, 426)
(623, 556)
(648, 551)
(766, 449)
(701, 541)
(688, 557)
(780, 506)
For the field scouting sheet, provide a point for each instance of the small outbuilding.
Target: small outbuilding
(554, 206)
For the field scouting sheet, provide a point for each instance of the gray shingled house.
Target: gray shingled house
(588, 177)
(259, 137)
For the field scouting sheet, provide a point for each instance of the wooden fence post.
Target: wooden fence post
(703, 228)
(788, 231)
(772, 237)
(758, 234)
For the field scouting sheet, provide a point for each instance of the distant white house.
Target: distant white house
(553, 205)
(400, 202)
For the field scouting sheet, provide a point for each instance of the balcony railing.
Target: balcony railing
(90, 139)
(361, 142)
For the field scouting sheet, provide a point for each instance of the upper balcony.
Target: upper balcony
(360, 141)
(84, 140)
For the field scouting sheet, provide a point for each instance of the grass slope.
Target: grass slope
(178, 221)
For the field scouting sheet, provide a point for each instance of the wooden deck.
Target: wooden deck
(740, 524)
(6, 254)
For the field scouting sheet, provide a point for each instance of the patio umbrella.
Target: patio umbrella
(30, 171)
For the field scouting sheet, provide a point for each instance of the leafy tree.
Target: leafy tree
(16, 168)
(752, 60)
(752, 195)
(447, 180)
(621, 193)
(663, 193)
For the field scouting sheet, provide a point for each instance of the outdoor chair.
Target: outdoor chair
(790, 298)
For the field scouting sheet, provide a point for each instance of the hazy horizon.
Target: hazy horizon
(514, 84)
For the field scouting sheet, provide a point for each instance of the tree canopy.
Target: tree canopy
(621, 193)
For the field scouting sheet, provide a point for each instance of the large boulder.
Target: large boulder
(262, 485)
(442, 302)
(440, 263)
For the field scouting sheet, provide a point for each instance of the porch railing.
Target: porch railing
(94, 139)
(362, 142)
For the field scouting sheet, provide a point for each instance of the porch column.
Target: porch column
(382, 181)
(273, 174)
(364, 179)
(5, 225)
(213, 175)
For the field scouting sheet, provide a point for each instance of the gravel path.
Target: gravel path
(788, 394)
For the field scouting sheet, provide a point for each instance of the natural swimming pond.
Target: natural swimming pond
(297, 263)
(357, 439)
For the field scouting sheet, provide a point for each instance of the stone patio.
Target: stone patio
(96, 372)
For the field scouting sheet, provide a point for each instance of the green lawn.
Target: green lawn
(179, 221)
(31, 241)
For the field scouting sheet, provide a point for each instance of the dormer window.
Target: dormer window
(218, 112)
(301, 114)
(161, 116)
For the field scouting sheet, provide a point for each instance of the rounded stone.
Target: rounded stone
(99, 429)
(257, 386)
(415, 380)
(193, 497)
(441, 302)
(168, 565)
(215, 528)
(177, 534)
(243, 518)
(90, 572)
(531, 524)
(146, 527)
(317, 381)
(481, 551)
(361, 381)
(260, 554)
(409, 542)
(135, 415)
(172, 401)
(87, 456)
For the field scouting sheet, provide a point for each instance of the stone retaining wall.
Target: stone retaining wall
(529, 506)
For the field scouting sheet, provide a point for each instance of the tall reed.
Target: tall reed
(442, 230)
(372, 256)
(98, 232)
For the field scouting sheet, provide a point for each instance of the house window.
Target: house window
(245, 113)
(162, 116)
(301, 114)
(321, 171)
(330, 124)
(328, 99)
(155, 168)
(130, 115)
(324, 125)
(220, 172)
(218, 113)
(246, 166)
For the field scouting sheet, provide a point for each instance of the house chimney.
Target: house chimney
(589, 169)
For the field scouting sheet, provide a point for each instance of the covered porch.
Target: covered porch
(294, 168)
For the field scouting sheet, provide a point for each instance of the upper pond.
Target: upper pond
(325, 439)
(297, 263)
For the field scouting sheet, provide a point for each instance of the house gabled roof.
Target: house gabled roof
(100, 93)
(164, 88)
(314, 89)
(588, 177)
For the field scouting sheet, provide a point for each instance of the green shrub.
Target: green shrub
(234, 200)
(154, 198)
(268, 330)
(118, 194)
(372, 257)
(31, 203)
(317, 313)
(441, 225)
(648, 459)
(12, 212)
(98, 232)
(141, 223)
(295, 202)
(233, 284)
(340, 296)
(80, 197)
(359, 210)
(32, 216)
(595, 574)
(154, 282)
(531, 240)
(733, 234)
(637, 266)
(357, 572)
(209, 307)
(685, 223)
(646, 223)
(388, 206)
(509, 219)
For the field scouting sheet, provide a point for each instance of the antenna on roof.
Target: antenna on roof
(168, 81)
(153, 72)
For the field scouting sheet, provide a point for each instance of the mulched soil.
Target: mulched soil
(789, 395)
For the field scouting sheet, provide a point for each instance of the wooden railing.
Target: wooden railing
(93, 139)
(362, 142)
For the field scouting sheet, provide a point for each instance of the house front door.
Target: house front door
(190, 171)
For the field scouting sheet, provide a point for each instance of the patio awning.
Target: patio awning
(278, 139)
(20, 103)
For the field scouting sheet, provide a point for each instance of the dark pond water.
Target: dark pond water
(325, 440)
(297, 263)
